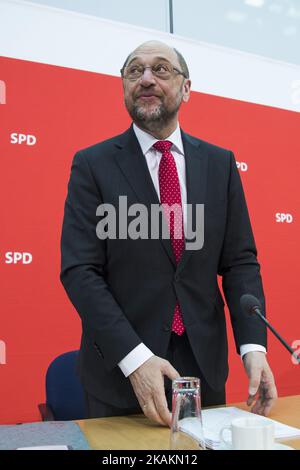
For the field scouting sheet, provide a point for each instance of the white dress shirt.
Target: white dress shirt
(141, 353)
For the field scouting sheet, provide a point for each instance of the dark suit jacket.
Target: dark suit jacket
(125, 290)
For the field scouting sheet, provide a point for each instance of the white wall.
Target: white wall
(270, 28)
(49, 35)
(152, 14)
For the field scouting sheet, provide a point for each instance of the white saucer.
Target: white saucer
(277, 446)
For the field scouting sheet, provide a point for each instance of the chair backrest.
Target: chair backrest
(64, 392)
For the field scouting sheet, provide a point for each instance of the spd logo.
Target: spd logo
(242, 166)
(284, 218)
(26, 139)
(15, 257)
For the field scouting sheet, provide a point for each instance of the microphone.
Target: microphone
(251, 305)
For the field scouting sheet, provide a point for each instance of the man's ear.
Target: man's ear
(186, 90)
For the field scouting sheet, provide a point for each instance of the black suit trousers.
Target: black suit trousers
(181, 357)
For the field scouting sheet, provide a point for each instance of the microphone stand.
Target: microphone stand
(283, 342)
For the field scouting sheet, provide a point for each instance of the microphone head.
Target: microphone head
(249, 304)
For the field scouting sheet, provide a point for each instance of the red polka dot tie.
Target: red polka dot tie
(170, 194)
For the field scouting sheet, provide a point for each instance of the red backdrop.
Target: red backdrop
(64, 110)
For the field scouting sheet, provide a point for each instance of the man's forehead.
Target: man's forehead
(159, 51)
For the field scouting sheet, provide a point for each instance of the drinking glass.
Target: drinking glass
(186, 429)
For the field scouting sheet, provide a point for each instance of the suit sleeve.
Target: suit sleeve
(83, 259)
(238, 265)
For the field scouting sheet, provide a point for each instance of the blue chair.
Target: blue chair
(64, 393)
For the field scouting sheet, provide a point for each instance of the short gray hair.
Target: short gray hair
(181, 60)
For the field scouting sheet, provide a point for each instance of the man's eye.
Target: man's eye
(161, 68)
(134, 69)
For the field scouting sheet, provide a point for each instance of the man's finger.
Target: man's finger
(149, 410)
(251, 399)
(254, 382)
(268, 406)
(258, 407)
(162, 407)
(269, 396)
(266, 400)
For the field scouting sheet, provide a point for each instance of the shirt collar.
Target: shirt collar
(147, 140)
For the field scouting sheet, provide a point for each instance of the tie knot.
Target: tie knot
(162, 146)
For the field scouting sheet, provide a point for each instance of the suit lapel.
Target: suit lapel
(133, 165)
(196, 161)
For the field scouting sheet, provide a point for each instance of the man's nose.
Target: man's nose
(147, 77)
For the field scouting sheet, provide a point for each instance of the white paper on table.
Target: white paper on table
(215, 419)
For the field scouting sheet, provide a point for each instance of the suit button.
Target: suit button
(176, 277)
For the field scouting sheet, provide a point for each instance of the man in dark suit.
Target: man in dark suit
(151, 308)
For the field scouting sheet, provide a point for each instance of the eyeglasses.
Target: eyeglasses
(160, 70)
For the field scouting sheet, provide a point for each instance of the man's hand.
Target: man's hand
(261, 380)
(148, 385)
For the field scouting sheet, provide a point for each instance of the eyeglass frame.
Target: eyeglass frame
(179, 72)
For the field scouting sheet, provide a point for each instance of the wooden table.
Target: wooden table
(137, 432)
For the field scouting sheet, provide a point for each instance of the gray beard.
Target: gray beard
(159, 117)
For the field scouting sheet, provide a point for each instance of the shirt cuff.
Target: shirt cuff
(245, 348)
(135, 359)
